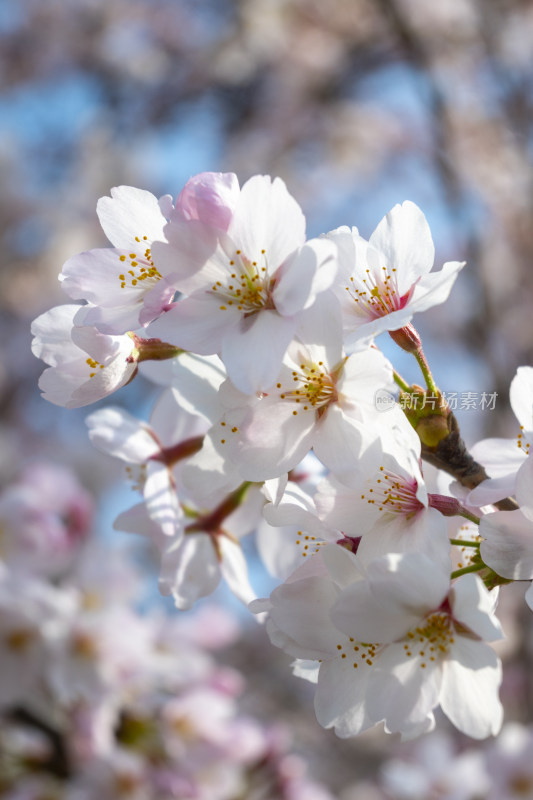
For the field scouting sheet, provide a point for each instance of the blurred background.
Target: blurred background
(356, 104)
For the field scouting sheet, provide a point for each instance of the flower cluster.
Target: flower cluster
(100, 700)
(263, 344)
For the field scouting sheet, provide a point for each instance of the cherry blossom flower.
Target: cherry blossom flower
(45, 516)
(393, 644)
(503, 458)
(291, 531)
(123, 284)
(321, 399)
(154, 452)
(84, 364)
(244, 299)
(387, 503)
(208, 548)
(386, 280)
(507, 546)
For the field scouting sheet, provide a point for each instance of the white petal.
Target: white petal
(52, 342)
(274, 440)
(434, 288)
(161, 500)
(309, 272)
(404, 238)
(122, 435)
(340, 699)
(469, 694)
(521, 397)
(472, 606)
(267, 218)
(499, 456)
(401, 691)
(128, 213)
(234, 570)
(508, 545)
(253, 350)
(189, 570)
(524, 484)
(196, 323)
(300, 610)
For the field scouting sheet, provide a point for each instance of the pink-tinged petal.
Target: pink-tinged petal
(267, 218)
(309, 272)
(434, 288)
(114, 431)
(508, 545)
(234, 570)
(300, 611)
(210, 197)
(404, 238)
(196, 323)
(252, 351)
(521, 397)
(469, 694)
(473, 606)
(524, 484)
(341, 697)
(401, 691)
(128, 213)
(156, 301)
(189, 570)
(94, 276)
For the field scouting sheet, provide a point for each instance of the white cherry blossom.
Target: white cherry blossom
(392, 644)
(154, 452)
(387, 502)
(503, 458)
(322, 399)
(123, 284)
(386, 280)
(244, 299)
(84, 364)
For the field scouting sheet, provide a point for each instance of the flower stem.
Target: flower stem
(464, 543)
(465, 570)
(404, 386)
(426, 372)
